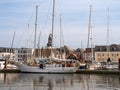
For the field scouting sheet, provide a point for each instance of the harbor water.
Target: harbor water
(28, 81)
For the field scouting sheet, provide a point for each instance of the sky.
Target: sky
(19, 16)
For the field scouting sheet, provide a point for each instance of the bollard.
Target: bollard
(119, 64)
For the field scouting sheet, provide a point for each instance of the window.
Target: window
(18, 51)
(112, 54)
(98, 54)
(100, 49)
(103, 54)
(117, 54)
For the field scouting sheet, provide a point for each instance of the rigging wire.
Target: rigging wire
(31, 19)
(21, 36)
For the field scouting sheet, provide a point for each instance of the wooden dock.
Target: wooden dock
(78, 71)
(10, 71)
(98, 72)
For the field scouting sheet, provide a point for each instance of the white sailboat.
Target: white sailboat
(94, 64)
(52, 64)
(110, 65)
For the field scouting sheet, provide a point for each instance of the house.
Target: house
(89, 55)
(102, 53)
(46, 52)
(7, 53)
(68, 49)
(80, 53)
(73, 55)
(23, 54)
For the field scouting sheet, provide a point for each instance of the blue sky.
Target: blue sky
(15, 15)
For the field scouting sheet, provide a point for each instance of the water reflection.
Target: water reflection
(25, 81)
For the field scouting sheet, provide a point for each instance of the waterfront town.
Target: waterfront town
(97, 54)
(50, 59)
(59, 45)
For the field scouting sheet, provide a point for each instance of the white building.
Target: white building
(23, 54)
(7, 53)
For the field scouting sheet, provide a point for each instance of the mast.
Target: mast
(36, 26)
(61, 37)
(108, 31)
(60, 31)
(53, 20)
(81, 44)
(108, 47)
(89, 27)
(90, 39)
(53, 12)
(92, 52)
(12, 44)
(108, 28)
(5, 67)
(38, 45)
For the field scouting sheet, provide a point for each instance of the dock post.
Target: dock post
(119, 64)
(5, 67)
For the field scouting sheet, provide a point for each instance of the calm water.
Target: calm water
(25, 81)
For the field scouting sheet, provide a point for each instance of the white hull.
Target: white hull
(50, 69)
(8, 66)
(111, 67)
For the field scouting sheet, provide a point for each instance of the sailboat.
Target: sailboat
(110, 65)
(94, 64)
(51, 64)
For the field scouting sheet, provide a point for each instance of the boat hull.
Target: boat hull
(50, 69)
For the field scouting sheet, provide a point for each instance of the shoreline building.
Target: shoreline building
(23, 54)
(7, 53)
(102, 53)
(89, 55)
